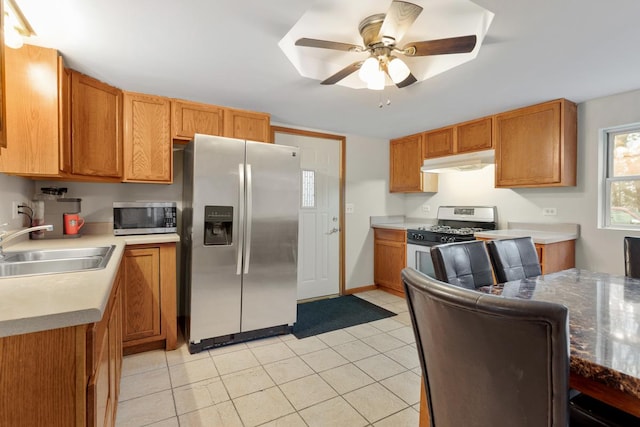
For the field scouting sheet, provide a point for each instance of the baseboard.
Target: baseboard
(360, 289)
(392, 291)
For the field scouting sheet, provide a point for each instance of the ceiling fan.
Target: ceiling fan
(380, 34)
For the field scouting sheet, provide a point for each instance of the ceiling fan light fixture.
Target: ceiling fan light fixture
(369, 69)
(16, 25)
(398, 70)
(376, 81)
(12, 38)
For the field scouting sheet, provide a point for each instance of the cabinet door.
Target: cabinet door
(96, 141)
(189, 118)
(247, 125)
(536, 146)
(474, 135)
(32, 112)
(389, 258)
(148, 154)
(141, 299)
(405, 160)
(438, 143)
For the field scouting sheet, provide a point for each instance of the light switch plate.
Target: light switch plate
(349, 208)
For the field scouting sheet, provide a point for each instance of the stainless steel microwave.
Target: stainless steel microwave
(144, 218)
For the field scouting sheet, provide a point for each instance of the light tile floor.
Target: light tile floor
(365, 375)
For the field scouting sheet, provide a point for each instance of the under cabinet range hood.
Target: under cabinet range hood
(459, 162)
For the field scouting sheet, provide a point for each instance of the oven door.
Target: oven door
(419, 257)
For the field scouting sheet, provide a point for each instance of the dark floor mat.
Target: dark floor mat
(326, 315)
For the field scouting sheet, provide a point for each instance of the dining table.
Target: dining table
(604, 331)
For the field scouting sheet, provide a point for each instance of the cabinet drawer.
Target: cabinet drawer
(393, 235)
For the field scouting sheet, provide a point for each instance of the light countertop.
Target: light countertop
(540, 237)
(541, 233)
(50, 301)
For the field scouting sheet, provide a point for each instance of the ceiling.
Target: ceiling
(226, 52)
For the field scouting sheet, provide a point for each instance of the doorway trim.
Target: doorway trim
(342, 139)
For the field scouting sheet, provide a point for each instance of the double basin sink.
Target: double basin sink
(48, 261)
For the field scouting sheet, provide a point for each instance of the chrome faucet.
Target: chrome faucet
(5, 236)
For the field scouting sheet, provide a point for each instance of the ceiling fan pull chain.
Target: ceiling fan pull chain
(380, 104)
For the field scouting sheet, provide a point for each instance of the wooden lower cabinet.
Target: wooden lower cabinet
(389, 258)
(556, 256)
(63, 377)
(149, 301)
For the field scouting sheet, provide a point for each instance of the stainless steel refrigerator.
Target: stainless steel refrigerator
(240, 240)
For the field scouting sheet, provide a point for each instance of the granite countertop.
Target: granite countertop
(604, 320)
(50, 301)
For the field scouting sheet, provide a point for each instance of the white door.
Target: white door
(319, 241)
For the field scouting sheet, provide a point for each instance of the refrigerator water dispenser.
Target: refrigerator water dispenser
(218, 225)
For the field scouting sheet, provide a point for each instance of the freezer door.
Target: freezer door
(218, 165)
(271, 250)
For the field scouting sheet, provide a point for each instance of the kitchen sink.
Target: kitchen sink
(54, 261)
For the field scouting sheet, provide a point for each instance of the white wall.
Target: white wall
(596, 249)
(14, 189)
(367, 188)
(98, 198)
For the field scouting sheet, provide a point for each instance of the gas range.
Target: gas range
(455, 224)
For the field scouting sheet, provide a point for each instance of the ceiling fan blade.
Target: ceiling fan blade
(398, 19)
(406, 82)
(349, 69)
(325, 44)
(463, 44)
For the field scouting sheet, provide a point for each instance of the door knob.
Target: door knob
(333, 230)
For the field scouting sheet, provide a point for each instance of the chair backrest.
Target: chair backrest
(488, 360)
(632, 257)
(514, 259)
(464, 264)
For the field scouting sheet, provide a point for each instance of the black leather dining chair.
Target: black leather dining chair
(632, 257)
(464, 264)
(491, 361)
(514, 259)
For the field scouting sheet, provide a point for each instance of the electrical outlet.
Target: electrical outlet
(349, 208)
(426, 208)
(14, 210)
(549, 211)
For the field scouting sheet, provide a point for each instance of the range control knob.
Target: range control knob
(451, 239)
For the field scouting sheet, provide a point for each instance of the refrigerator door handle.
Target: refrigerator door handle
(249, 199)
(240, 239)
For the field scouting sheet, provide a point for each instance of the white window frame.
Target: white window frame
(605, 164)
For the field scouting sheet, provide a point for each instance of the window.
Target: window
(308, 189)
(621, 177)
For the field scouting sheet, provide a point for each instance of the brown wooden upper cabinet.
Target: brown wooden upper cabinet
(437, 143)
(247, 125)
(474, 135)
(148, 152)
(63, 124)
(96, 131)
(33, 116)
(405, 160)
(536, 145)
(189, 118)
